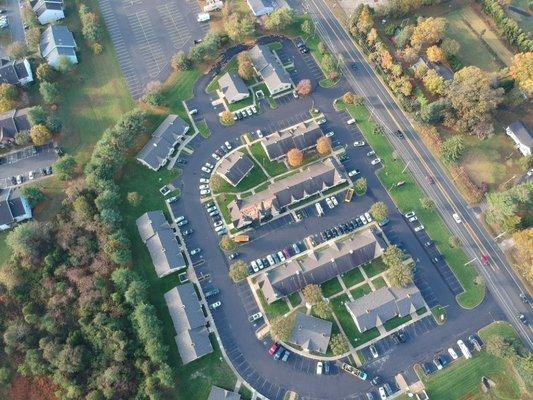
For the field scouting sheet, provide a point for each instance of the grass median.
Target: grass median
(407, 198)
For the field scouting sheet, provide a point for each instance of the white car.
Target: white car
(219, 228)
(205, 192)
(281, 256)
(30, 175)
(375, 161)
(217, 224)
(215, 156)
(249, 111)
(254, 110)
(254, 266)
(319, 367)
(530, 172)
(260, 263)
(363, 219)
(206, 170)
(204, 180)
(334, 200)
(270, 260)
(215, 305)
(195, 251)
(409, 214)
(382, 393)
(373, 351)
(211, 209)
(210, 166)
(255, 317)
(227, 144)
(457, 218)
(329, 203)
(359, 143)
(179, 219)
(413, 219)
(368, 217)
(453, 354)
(203, 187)
(419, 228)
(370, 153)
(353, 172)
(329, 134)
(259, 133)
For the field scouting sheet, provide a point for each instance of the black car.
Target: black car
(13, 180)
(399, 134)
(300, 45)
(429, 368)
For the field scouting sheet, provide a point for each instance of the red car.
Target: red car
(484, 260)
(273, 349)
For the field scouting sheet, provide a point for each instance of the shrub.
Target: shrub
(226, 118)
(295, 158)
(65, 167)
(40, 134)
(44, 72)
(238, 271)
(49, 92)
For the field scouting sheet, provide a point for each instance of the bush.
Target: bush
(44, 72)
(452, 149)
(49, 91)
(312, 294)
(65, 167)
(33, 194)
(227, 243)
(64, 65)
(360, 186)
(338, 344)
(181, 62)
(16, 50)
(134, 198)
(22, 138)
(379, 211)
(238, 271)
(40, 134)
(8, 97)
(226, 118)
(295, 158)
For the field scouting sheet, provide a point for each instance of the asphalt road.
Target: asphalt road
(16, 29)
(500, 278)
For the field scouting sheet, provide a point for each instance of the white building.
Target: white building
(260, 7)
(48, 11)
(13, 208)
(56, 42)
(521, 136)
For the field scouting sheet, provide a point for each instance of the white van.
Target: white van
(202, 17)
(464, 349)
(350, 121)
(457, 218)
(319, 209)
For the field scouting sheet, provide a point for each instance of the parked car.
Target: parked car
(286, 356)
(212, 292)
(413, 219)
(409, 214)
(279, 353)
(208, 165)
(172, 199)
(319, 367)
(203, 187)
(375, 161)
(453, 354)
(419, 228)
(272, 350)
(31, 175)
(281, 256)
(195, 251)
(215, 156)
(228, 145)
(373, 351)
(370, 153)
(255, 317)
(382, 393)
(215, 305)
(329, 134)
(359, 143)
(20, 179)
(182, 223)
(179, 219)
(368, 217)
(354, 172)
(205, 192)
(233, 256)
(206, 170)
(187, 232)
(204, 180)
(437, 363)
(326, 367)
(476, 342)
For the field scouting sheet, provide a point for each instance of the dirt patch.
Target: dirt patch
(27, 388)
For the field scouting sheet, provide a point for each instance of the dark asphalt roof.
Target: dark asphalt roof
(301, 136)
(235, 167)
(56, 37)
(520, 130)
(12, 71)
(222, 394)
(13, 121)
(12, 206)
(311, 333)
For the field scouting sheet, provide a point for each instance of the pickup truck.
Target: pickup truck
(354, 371)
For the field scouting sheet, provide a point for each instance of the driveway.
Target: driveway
(147, 33)
(15, 31)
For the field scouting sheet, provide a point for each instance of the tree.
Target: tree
(392, 257)
(434, 82)
(5, 376)
(134, 198)
(473, 97)
(226, 118)
(360, 186)
(435, 54)
(452, 149)
(410, 55)
(400, 275)
(323, 145)
(348, 98)
(16, 50)
(498, 346)
(312, 294)
(281, 328)
(304, 87)
(427, 203)
(239, 27)
(521, 70)
(523, 241)
(365, 21)
(30, 241)
(379, 211)
(322, 310)
(154, 94)
(65, 167)
(428, 31)
(90, 25)
(433, 112)
(40, 134)
(307, 27)
(8, 97)
(64, 64)
(22, 138)
(181, 62)
(44, 72)
(450, 47)
(505, 209)
(33, 38)
(279, 19)
(29, 17)
(33, 194)
(295, 158)
(454, 242)
(49, 91)
(227, 243)
(338, 344)
(245, 66)
(238, 271)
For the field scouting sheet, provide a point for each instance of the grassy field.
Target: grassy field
(396, 322)
(254, 178)
(355, 337)
(379, 282)
(360, 291)
(276, 309)
(375, 267)
(272, 168)
(203, 129)
(352, 277)
(407, 198)
(331, 287)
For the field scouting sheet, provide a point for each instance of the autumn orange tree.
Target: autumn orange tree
(323, 146)
(304, 87)
(295, 158)
(435, 54)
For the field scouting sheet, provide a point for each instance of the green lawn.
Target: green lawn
(360, 291)
(375, 267)
(223, 200)
(355, 337)
(407, 197)
(352, 277)
(276, 309)
(247, 102)
(396, 322)
(254, 178)
(295, 299)
(4, 250)
(439, 313)
(379, 283)
(331, 287)
(271, 167)
(245, 393)
(203, 129)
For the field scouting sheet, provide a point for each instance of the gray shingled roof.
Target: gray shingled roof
(192, 337)
(59, 38)
(13, 121)
(155, 153)
(12, 71)
(258, 5)
(161, 243)
(233, 87)
(378, 307)
(316, 178)
(40, 6)
(222, 394)
(11, 206)
(522, 133)
(268, 66)
(6, 217)
(311, 333)
(235, 167)
(301, 136)
(319, 267)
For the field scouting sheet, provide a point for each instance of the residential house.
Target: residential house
(161, 242)
(48, 11)
(222, 394)
(273, 201)
(302, 136)
(57, 42)
(13, 208)
(318, 267)
(159, 148)
(233, 88)
(11, 123)
(376, 308)
(260, 7)
(269, 68)
(311, 334)
(235, 167)
(521, 136)
(192, 337)
(15, 72)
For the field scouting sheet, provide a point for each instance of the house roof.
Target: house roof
(161, 243)
(192, 337)
(268, 66)
(13, 121)
(315, 178)
(12, 71)
(40, 6)
(376, 308)
(311, 333)
(57, 37)
(319, 267)
(222, 394)
(232, 86)
(235, 167)
(301, 136)
(155, 152)
(11, 206)
(522, 133)
(258, 6)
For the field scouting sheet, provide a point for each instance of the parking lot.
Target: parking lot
(146, 34)
(21, 162)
